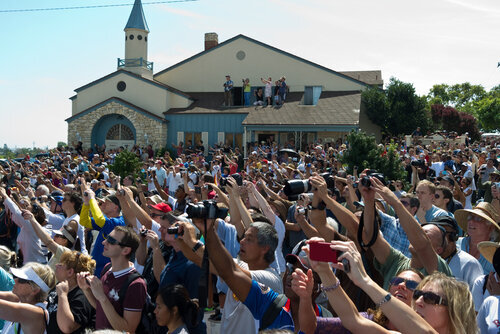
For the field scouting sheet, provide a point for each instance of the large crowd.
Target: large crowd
(284, 240)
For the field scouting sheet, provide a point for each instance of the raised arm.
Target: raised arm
(40, 232)
(239, 282)
(381, 248)
(416, 235)
(263, 204)
(30, 317)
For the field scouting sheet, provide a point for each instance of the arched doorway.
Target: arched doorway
(114, 130)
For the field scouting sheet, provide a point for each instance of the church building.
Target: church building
(185, 102)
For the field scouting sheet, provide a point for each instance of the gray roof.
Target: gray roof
(137, 20)
(333, 108)
(369, 77)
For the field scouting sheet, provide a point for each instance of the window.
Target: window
(131, 37)
(311, 95)
(120, 132)
(234, 139)
(121, 86)
(139, 37)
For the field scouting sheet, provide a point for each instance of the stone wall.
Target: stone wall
(156, 130)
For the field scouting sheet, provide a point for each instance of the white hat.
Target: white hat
(63, 232)
(27, 273)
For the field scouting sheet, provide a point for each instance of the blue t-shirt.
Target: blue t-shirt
(434, 212)
(104, 231)
(6, 284)
(179, 270)
(464, 244)
(258, 300)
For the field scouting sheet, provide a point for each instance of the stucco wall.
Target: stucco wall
(138, 92)
(157, 131)
(206, 73)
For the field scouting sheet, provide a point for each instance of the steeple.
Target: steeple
(137, 20)
(136, 44)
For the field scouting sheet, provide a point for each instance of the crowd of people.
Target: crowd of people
(279, 241)
(268, 97)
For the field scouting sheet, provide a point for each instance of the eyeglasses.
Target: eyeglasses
(410, 284)
(437, 196)
(429, 297)
(112, 241)
(474, 218)
(21, 280)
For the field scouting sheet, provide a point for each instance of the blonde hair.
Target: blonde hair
(46, 274)
(8, 258)
(78, 261)
(460, 305)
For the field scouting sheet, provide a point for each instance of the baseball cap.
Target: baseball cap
(445, 221)
(64, 233)
(298, 255)
(56, 196)
(114, 199)
(163, 207)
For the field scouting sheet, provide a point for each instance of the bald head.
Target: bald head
(436, 237)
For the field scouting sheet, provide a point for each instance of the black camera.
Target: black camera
(236, 176)
(365, 181)
(174, 230)
(208, 209)
(418, 163)
(144, 233)
(296, 187)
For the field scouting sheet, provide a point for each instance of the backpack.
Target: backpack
(148, 322)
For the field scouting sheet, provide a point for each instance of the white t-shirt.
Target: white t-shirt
(488, 316)
(236, 317)
(279, 262)
(465, 268)
(438, 167)
(477, 292)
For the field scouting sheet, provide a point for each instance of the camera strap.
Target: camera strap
(375, 230)
(203, 281)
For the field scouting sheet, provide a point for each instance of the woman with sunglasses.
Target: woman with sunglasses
(444, 303)
(480, 223)
(24, 307)
(68, 308)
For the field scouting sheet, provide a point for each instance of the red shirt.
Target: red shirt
(134, 300)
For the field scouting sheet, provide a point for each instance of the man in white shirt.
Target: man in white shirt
(161, 174)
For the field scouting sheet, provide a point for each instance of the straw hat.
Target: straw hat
(488, 249)
(484, 210)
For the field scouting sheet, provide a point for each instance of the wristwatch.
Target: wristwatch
(197, 246)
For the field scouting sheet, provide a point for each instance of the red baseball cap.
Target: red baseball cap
(163, 207)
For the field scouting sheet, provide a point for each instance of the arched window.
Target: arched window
(120, 132)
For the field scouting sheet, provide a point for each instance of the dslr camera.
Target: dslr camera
(236, 176)
(297, 187)
(207, 209)
(365, 181)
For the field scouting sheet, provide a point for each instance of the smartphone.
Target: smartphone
(197, 190)
(321, 251)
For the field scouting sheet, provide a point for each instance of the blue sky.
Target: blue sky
(46, 55)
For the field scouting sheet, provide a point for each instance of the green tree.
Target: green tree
(460, 96)
(488, 113)
(61, 144)
(126, 163)
(364, 152)
(397, 110)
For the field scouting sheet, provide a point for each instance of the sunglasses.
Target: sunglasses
(410, 285)
(112, 241)
(21, 280)
(429, 297)
(474, 218)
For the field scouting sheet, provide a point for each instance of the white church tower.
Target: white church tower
(136, 44)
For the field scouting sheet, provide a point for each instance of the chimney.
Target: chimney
(211, 40)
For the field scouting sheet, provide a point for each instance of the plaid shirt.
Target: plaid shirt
(394, 233)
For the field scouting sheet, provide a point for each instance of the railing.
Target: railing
(135, 62)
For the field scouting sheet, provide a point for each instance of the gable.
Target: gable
(147, 94)
(243, 57)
